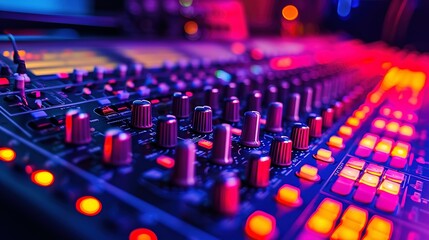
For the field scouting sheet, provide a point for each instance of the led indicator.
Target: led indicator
(88, 205)
(7, 154)
(42, 178)
(142, 234)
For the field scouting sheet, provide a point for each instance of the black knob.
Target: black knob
(270, 94)
(226, 194)
(78, 130)
(254, 101)
(166, 131)
(184, 167)
(317, 102)
(307, 100)
(231, 110)
(274, 117)
(180, 105)
(327, 117)
(141, 114)
(117, 147)
(258, 170)
(292, 111)
(250, 132)
(281, 151)
(221, 152)
(202, 121)
(212, 98)
(300, 136)
(230, 90)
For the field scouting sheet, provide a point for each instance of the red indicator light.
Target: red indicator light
(42, 178)
(88, 205)
(142, 234)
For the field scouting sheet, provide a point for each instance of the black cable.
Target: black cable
(16, 57)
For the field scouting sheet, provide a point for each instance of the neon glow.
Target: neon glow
(7, 154)
(142, 234)
(290, 12)
(88, 205)
(260, 225)
(42, 178)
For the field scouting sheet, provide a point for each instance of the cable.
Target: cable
(16, 57)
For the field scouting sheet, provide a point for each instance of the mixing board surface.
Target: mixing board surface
(314, 138)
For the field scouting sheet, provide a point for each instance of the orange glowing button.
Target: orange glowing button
(350, 173)
(406, 131)
(400, 150)
(354, 216)
(379, 228)
(368, 141)
(379, 123)
(236, 131)
(308, 172)
(191, 27)
(42, 178)
(336, 141)
(374, 169)
(205, 144)
(353, 122)
(365, 109)
(319, 224)
(289, 195)
(332, 207)
(142, 234)
(345, 131)
(88, 205)
(360, 114)
(260, 225)
(369, 179)
(290, 12)
(356, 163)
(392, 127)
(397, 114)
(7, 154)
(384, 146)
(324, 155)
(389, 187)
(344, 232)
(385, 111)
(165, 161)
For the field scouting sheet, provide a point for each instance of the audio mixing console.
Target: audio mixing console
(315, 138)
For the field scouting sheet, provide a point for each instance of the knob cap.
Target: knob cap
(212, 98)
(300, 136)
(293, 107)
(317, 95)
(244, 86)
(231, 111)
(230, 90)
(78, 130)
(250, 133)
(202, 121)
(281, 151)
(166, 131)
(117, 147)
(307, 99)
(274, 117)
(254, 101)
(315, 122)
(180, 105)
(270, 94)
(327, 117)
(99, 73)
(222, 145)
(338, 110)
(258, 170)
(184, 167)
(283, 89)
(226, 194)
(141, 114)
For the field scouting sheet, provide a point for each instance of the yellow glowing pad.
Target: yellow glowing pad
(389, 187)
(289, 195)
(368, 141)
(343, 232)
(324, 155)
(7, 154)
(308, 172)
(354, 218)
(379, 123)
(400, 150)
(42, 178)
(397, 114)
(378, 226)
(406, 131)
(332, 206)
(374, 169)
(360, 114)
(384, 146)
(336, 141)
(392, 127)
(369, 179)
(88, 205)
(260, 225)
(350, 173)
(356, 163)
(353, 122)
(319, 224)
(345, 131)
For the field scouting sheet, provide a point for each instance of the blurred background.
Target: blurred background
(398, 22)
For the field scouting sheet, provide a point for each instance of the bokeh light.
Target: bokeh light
(290, 12)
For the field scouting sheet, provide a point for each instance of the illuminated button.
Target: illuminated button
(356, 163)
(319, 224)
(359, 114)
(343, 232)
(353, 122)
(392, 127)
(262, 121)
(289, 195)
(384, 146)
(42, 178)
(324, 155)
(336, 141)
(400, 150)
(142, 234)
(369, 180)
(374, 169)
(394, 176)
(331, 206)
(322, 221)
(165, 161)
(368, 141)
(342, 186)
(345, 131)
(387, 202)
(389, 187)
(88, 205)
(397, 114)
(354, 216)
(379, 123)
(364, 194)
(385, 111)
(308, 172)
(260, 225)
(7, 154)
(236, 131)
(205, 144)
(379, 228)
(350, 173)
(406, 131)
